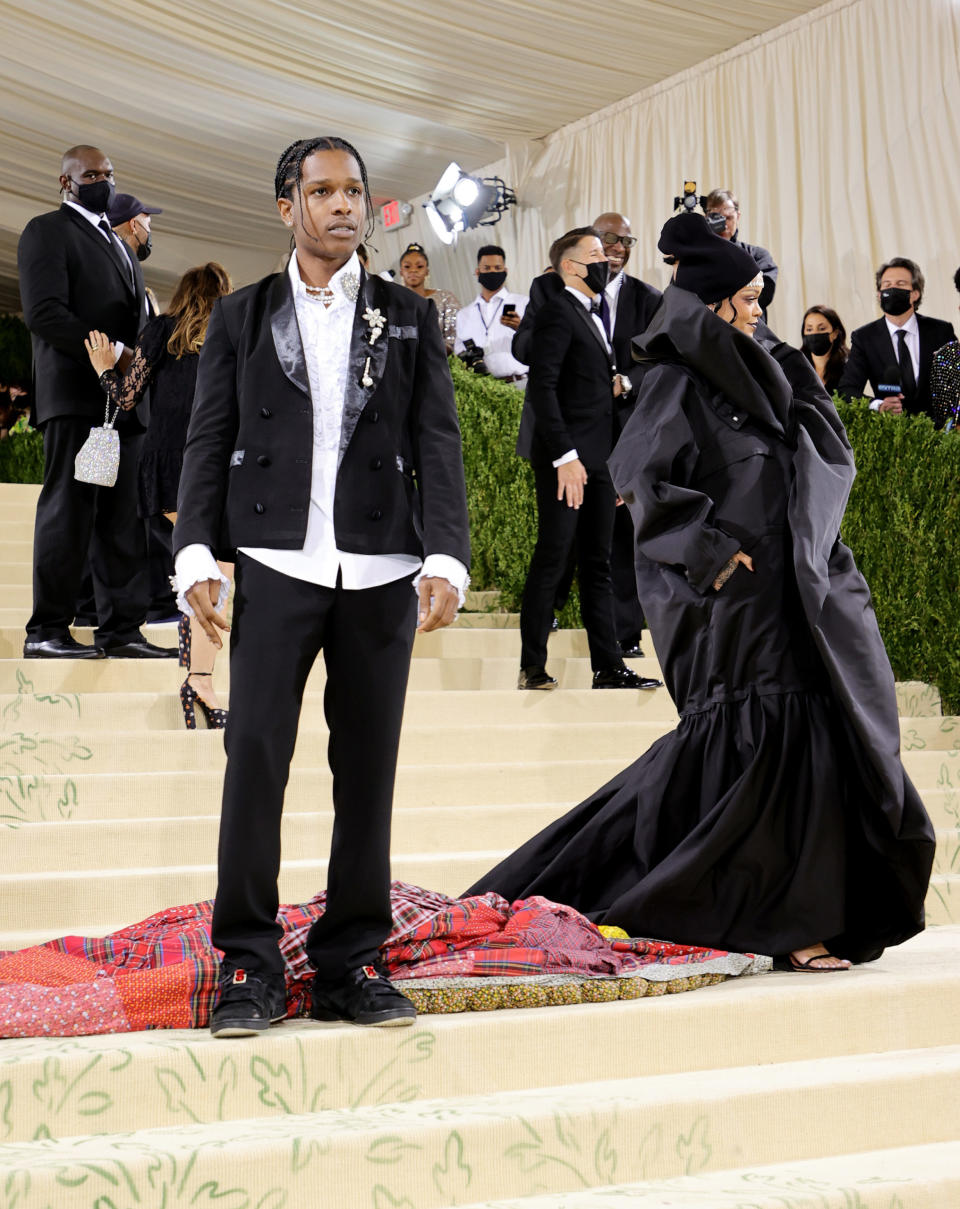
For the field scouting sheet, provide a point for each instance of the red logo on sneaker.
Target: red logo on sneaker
(370, 972)
(239, 976)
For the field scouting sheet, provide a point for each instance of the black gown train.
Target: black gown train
(778, 813)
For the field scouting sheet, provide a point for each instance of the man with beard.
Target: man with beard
(324, 449)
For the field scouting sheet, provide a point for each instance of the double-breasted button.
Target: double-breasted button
(259, 509)
(263, 460)
(376, 464)
(266, 412)
(373, 417)
(376, 514)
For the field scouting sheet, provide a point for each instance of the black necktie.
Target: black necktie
(605, 314)
(908, 381)
(118, 253)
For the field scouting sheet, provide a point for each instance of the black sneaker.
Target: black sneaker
(362, 996)
(249, 1002)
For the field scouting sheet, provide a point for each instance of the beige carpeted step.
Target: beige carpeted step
(910, 1177)
(908, 1000)
(431, 1153)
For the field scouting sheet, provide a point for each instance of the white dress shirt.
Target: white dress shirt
(612, 292)
(587, 303)
(325, 332)
(95, 220)
(480, 322)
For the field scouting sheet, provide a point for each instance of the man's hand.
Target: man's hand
(439, 601)
(893, 404)
(617, 386)
(202, 598)
(512, 321)
(571, 477)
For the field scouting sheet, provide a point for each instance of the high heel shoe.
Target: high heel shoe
(190, 699)
(183, 639)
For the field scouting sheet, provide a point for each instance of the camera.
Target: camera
(716, 222)
(472, 357)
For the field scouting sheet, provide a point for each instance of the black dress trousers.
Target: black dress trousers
(280, 624)
(561, 530)
(75, 518)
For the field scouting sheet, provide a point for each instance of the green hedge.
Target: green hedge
(903, 520)
(902, 523)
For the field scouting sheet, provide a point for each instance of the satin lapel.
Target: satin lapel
(107, 249)
(586, 318)
(367, 360)
(286, 333)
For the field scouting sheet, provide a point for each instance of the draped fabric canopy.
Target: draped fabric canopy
(838, 131)
(193, 101)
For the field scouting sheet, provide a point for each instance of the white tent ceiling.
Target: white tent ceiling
(194, 101)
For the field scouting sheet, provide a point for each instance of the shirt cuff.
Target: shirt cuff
(875, 405)
(567, 457)
(626, 384)
(118, 349)
(445, 566)
(193, 565)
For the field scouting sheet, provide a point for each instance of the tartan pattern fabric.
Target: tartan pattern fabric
(163, 971)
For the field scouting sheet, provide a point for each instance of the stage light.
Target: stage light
(460, 201)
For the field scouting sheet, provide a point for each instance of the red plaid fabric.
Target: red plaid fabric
(162, 972)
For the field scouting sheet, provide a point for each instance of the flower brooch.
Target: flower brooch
(375, 321)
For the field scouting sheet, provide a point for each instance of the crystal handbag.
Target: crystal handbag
(99, 456)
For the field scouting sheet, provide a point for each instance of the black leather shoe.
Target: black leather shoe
(362, 996)
(631, 650)
(535, 677)
(59, 648)
(248, 1002)
(139, 650)
(623, 677)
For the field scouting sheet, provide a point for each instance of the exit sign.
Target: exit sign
(395, 214)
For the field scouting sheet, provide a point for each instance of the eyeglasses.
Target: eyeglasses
(609, 238)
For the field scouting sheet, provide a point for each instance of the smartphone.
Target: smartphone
(509, 308)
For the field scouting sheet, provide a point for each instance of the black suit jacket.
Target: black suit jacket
(636, 306)
(570, 388)
(872, 352)
(71, 282)
(247, 465)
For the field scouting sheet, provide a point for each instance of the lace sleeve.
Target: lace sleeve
(127, 389)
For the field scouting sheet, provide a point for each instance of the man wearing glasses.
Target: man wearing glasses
(626, 307)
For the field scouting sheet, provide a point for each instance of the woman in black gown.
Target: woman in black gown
(165, 360)
(777, 818)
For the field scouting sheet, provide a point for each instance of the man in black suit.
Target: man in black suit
(627, 306)
(894, 353)
(324, 449)
(572, 390)
(75, 276)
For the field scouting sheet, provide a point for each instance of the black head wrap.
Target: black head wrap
(710, 266)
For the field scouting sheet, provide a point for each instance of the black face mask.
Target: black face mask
(597, 274)
(95, 196)
(492, 281)
(894, 302)
(144, 246)
(818, 343)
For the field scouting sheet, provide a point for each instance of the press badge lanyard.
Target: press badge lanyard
(487, 326)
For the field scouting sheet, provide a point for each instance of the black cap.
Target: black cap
(125, 206)
(710, 266)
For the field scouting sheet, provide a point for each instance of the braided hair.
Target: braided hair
(290, 170)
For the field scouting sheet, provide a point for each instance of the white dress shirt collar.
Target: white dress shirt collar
(911, 327)
(336, 281)
(93, 219)
(612, 290)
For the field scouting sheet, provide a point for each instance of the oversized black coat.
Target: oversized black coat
(778, 814)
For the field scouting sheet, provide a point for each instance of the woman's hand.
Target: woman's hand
(730, 567)
(100, 351)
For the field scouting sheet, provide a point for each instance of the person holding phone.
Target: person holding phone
(492, 318)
